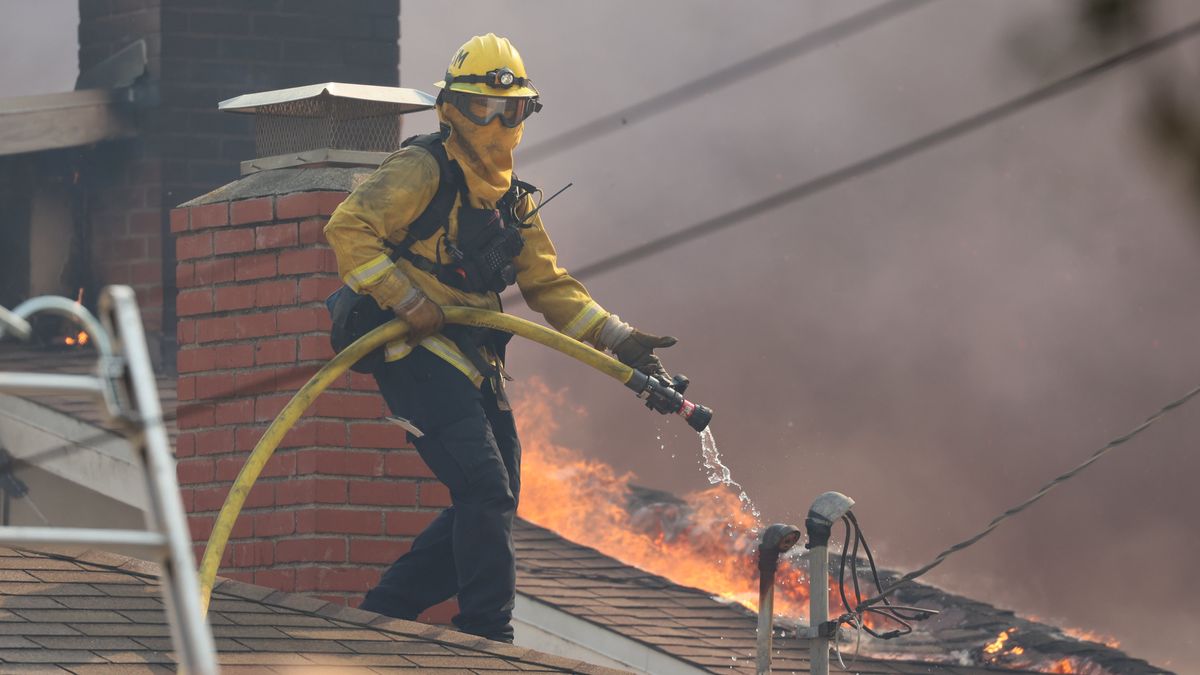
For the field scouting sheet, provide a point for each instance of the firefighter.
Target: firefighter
(444, 221)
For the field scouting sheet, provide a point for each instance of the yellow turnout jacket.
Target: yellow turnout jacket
(381, 209)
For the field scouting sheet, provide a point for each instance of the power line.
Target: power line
(828, 180)
(717, 79)
(888, 157)
(1121, 440)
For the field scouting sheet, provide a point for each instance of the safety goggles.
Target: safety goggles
(480, 109)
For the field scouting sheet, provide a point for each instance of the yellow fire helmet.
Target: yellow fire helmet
(488, 65)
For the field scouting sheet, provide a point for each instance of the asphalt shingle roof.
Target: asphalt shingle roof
(99, 612)
(686, 623)
(694, 626)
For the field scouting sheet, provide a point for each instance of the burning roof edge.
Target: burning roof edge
(622, 616)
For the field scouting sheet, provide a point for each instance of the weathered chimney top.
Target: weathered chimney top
(326, 124)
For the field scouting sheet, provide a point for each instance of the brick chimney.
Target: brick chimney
(199, 52)
(344, 494)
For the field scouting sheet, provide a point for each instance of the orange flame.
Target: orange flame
(1002, 650)
(81, 338)
(709, 542)
(1092, 636)
(997, 646)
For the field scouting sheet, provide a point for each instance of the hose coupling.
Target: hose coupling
(666, 398)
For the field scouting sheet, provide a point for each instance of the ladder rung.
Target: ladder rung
(50, 383)
(81, 536)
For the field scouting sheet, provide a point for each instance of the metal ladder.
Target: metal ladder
(124, 382)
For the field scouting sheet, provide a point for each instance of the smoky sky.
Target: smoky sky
(39, 46)
(935, 339)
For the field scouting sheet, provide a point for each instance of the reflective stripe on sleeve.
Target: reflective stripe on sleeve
(591, 315)
(369, 272)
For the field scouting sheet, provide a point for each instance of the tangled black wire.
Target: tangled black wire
(899, 614)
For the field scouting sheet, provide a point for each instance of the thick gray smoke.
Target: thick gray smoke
(39, 47)
(935, 339)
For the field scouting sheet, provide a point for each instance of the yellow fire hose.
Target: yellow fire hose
(395, 330)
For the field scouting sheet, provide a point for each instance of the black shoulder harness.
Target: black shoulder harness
(437, 213)
(480, 260)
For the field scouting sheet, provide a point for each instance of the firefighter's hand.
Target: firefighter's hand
(423, 316)
(637, 351)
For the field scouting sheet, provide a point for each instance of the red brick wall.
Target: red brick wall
(342, 497)
(123, 181)
(201, 52)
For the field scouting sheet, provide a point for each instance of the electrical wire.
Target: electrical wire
(898, 614)
(851, 171)
(49, 454)
(888, 157)
(1116, 442)
(717, 79)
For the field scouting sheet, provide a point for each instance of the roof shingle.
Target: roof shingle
(95, 610)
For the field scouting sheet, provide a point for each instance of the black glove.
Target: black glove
(637, 351)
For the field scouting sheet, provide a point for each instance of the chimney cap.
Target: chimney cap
(329, 124)
(404, 99)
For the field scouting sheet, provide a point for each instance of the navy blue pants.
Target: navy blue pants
(471, 445)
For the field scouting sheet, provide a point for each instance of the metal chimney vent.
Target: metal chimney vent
(330, 123)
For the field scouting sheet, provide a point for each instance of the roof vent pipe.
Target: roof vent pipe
(776, 540)
(826, 510)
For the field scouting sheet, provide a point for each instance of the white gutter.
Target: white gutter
(548, 629)
(97, 459)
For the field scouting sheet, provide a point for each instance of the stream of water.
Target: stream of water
(719, 474)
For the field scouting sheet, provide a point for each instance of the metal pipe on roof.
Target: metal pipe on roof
(825, 511)
(818, 608)
(776, 540)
